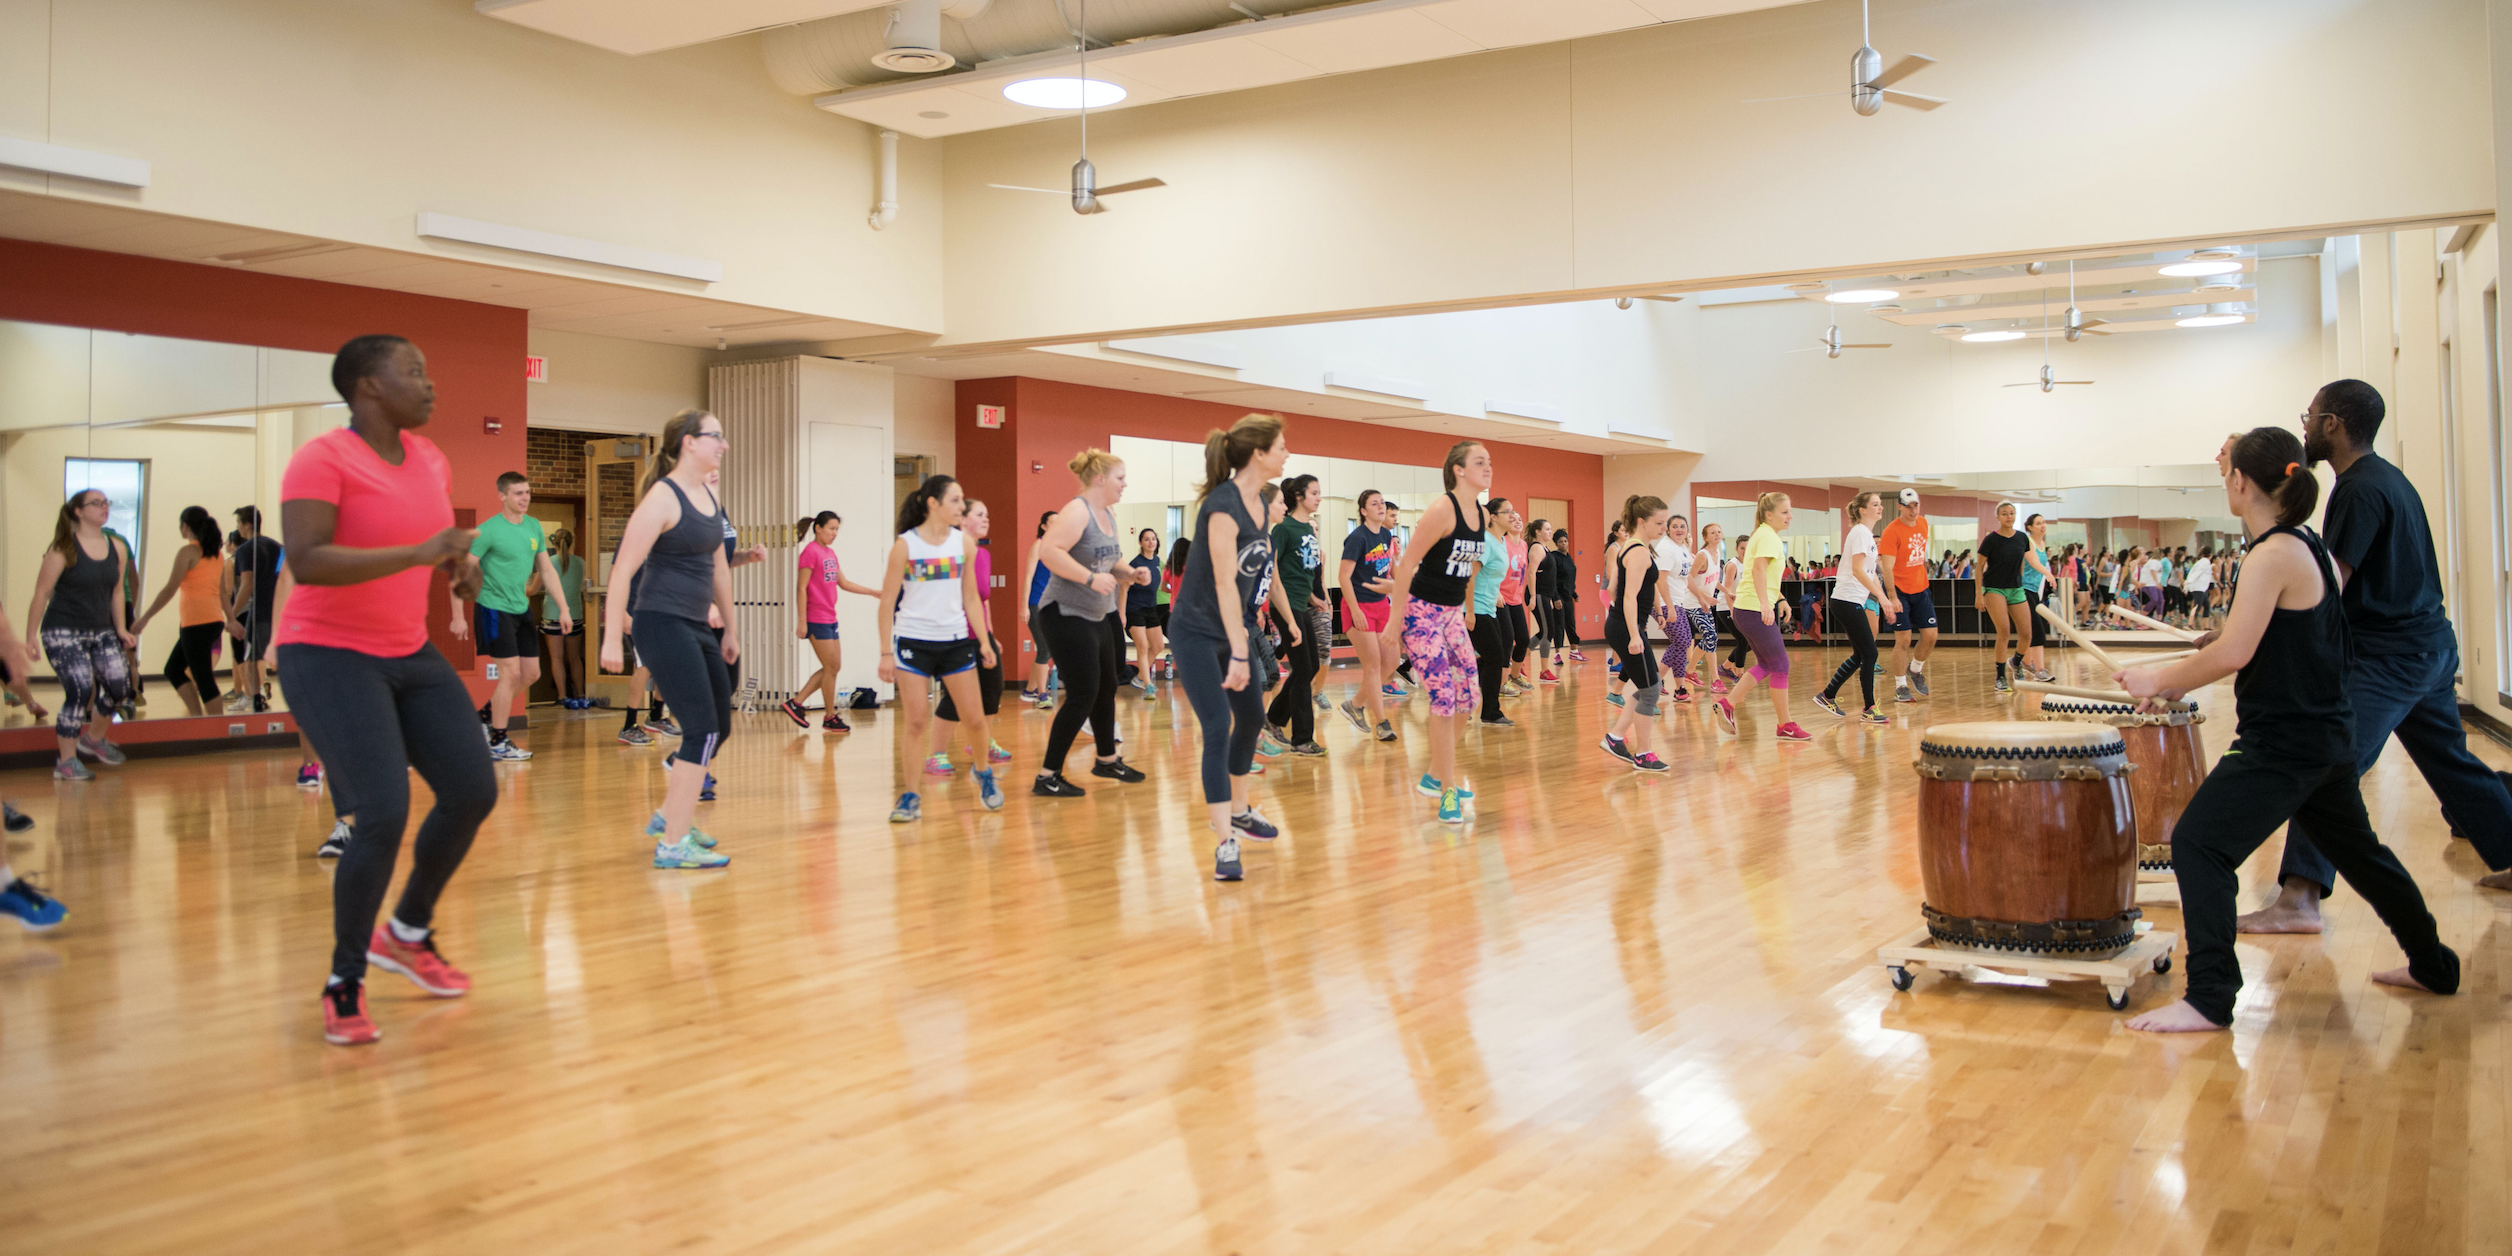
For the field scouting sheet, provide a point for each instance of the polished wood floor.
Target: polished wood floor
(1613, 1014)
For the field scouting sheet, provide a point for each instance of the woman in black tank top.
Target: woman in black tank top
(2293, 753)
(1427, 615)
(78, 618)
(1633, 570)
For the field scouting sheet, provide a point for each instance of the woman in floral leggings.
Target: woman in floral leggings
(78, 606)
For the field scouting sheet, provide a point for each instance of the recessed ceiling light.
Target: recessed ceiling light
(1063, 93)
(1990, 337)
(2211, 320)
(2180, 270)
(933, 113)
(1857, 295)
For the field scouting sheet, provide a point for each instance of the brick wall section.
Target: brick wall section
(554, 458)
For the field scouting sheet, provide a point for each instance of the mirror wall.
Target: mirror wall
(157, 424)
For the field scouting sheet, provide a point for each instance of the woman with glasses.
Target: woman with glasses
(78, 615)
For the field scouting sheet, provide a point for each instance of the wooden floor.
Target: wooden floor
(1613, 1014)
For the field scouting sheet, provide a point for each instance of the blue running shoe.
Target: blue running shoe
(686, 854)
(1427, 787)
(1451, 807)
(32, 907)
(909, 809)
(988, 792)
(654, 829)
(706, 792)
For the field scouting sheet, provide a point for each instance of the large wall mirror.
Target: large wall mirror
(158, 425)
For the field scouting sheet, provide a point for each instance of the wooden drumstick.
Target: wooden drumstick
(2120, 696)
(2068, 630)
(2161, 659)
(2156, 624)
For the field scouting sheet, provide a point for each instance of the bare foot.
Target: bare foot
(2180, 1018)
(2497, 880)
(2278, 918)
(2399, 977)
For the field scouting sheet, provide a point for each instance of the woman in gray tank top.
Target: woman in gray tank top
(1081, 615)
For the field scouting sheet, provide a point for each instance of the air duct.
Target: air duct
(913, 39)
(811, 58)
(885, 211)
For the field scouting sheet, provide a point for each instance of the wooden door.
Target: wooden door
(614, 467)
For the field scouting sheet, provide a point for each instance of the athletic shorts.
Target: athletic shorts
(823, 632)
(1153, 617)
(1443, 656)
(2013, 597)
(254, 646)
(936, 659)
(1374, 614)
(496, 634)
(1918, 612)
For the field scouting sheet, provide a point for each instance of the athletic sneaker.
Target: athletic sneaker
(654, 829)
(1150, 694)
(1683, 697)
(1499, 721)
(32, 907)
(72, 770)
(310, 776)
(103, 752)
(1614, 698)
(336, 843)
(1393, 691)
(835, 724)
(1324, 703)
(1053, 785)
(1386, 731)
(1428, 786)
(1268, 747)
(16, 821)
(1717, 687)
(1726, 713)
(706, 792)
(1275, 731)
(1874, 716)
(1826, 701)
(1254, 824)
(345, 1022)
(1309, 750)
(1117, 769)
(663, 727)
(508, 752)
(938, 765)
(1728, 674)
(909, 809)
(419, 961)
(995, 753)
(635, 736)
(1353, 713)
(988, 792)
(686, 853)
(1790, 732)
(1919, 682)
(1649, 762)
(1577, 657)
(1225, 861)
(1451, 807)
(1616, 747)
(793, 711)
(2002, 686)
(1901, 693)
(1548, 677)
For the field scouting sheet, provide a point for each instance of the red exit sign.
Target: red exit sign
(535, 370)
(989, 416)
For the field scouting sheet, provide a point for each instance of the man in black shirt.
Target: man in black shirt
(2405, 655)
(256, 591)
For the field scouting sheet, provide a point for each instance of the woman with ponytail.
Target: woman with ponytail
(2285, 643)
(1757, 614)
(931, 633)
(1634, 569)
(1427, 614)
(817, 581)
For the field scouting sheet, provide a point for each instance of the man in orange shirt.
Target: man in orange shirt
(1908, 606)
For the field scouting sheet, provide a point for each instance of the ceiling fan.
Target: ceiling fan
(1085, 191)
(2077, 323)
(1869, 82)
(2048, 380)
(1829, 341)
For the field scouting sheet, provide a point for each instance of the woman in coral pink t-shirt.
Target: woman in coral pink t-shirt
(817, 580)
(366, 521)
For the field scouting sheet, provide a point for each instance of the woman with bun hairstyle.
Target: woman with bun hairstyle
(1427, 613)
(817, 581)
(192, 667)
(2293, 756)
(1077, 618)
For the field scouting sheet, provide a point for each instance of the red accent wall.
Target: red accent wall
(475, 352)
(1047, 422)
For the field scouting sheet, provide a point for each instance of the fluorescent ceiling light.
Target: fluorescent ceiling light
(1063, 93)
(2211, 320)
(1855, 295)
(1990, 337)
(2179, 270)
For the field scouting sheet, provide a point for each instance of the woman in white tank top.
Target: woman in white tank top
(929, 606)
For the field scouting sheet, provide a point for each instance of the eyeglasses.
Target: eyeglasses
(719, 437)
(2309, 415)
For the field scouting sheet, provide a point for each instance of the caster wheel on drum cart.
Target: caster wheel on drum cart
(2119, 1001)
(2163, 963)
(1901, 976)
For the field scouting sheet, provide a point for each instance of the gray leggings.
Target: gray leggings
(1230, 718)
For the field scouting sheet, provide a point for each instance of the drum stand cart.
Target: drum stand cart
(2150, 952)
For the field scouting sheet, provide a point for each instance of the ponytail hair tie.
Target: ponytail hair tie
(2289, 467)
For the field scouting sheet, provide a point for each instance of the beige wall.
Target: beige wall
(605, 384)
(923, 420)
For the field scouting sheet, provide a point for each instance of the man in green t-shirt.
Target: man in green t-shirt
(509, 547)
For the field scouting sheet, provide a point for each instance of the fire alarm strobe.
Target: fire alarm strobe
(492, 425)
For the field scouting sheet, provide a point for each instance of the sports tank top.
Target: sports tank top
(930, 605)
(1648, 592)
(1095, 549)
(82, 599)
(2291, 697)
(678, 576)
(1448, 566)
(197, 599)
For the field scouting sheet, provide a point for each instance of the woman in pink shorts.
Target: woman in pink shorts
(1427, 614)
(1369, 561)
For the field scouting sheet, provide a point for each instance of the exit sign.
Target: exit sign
(535, 370)
(989, 416)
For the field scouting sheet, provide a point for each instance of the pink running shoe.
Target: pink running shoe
(1718, 688)
(1577, 657)
(1790, 732)
(1726, 713)
(417, 961)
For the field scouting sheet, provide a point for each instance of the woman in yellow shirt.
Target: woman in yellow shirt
(1757, 617)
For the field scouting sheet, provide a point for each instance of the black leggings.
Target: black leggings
(373, 720)
(1852, 619)
(989, 688)
(2252, 791)
(686, 663)
(1556, 624)
(1513, 623)
(1491, 659)
(2040, 626)
(1087, 652)
(1230, 718)
(1292, 709)
(192, 662)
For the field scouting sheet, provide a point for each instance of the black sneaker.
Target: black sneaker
(1824, 700)
(1499, 721)
(1053, 785)
(1614, 746)
(793, 711)
(1225, 861)
(337, 844)
(1254, 824)
(706, 792)
(16, 821)
(1116, 770)
(1309, 750)
(2002, 684)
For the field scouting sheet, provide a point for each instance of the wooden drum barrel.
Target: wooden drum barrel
(2028, 838)
(2170, 759)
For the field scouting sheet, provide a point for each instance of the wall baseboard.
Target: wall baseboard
(2485, 722)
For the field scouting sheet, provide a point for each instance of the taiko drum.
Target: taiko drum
(2028, 838)
(2170, 760)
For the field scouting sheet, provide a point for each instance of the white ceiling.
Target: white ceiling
(564, 302)
(640, 26)
(1368, 35)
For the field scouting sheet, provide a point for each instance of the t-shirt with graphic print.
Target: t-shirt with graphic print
(1197, 611)
(1372, 553)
